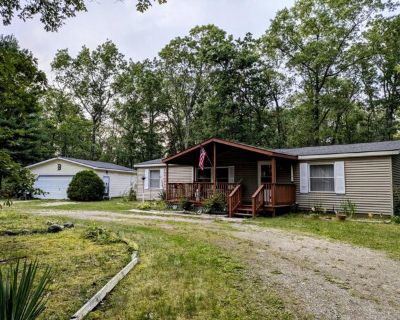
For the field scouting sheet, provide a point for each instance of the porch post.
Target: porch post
(166, 181)
(273, 180)
(215, 168)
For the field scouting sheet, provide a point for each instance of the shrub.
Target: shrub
(86, 185)
(348, 208)
(185, 204)
(216, 203)
(22, 296)
(396, 219)
(132, 194)
(15, 181)
(144, 205)
(163, 195)
(396, 201)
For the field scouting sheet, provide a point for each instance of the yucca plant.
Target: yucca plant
(21, 296)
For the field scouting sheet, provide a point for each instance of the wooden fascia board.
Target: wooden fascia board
(231, 144)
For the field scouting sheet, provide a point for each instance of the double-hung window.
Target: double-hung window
(155, 177)
(322, 177)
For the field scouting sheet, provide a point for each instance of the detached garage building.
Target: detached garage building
(54, 175)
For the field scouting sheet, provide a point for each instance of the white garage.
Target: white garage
(54, 175)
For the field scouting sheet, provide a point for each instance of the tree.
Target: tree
(52, 13)
(89, 80)
(139, 113)
(247, 95)
(315, 39)
(183, 63)
(68, 131)
(21, 86)
(384, 81)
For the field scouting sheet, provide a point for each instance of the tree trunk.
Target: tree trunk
(93, 138)
(315, 118)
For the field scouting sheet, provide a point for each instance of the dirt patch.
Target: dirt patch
(325, 279)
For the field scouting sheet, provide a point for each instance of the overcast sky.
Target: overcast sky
(142, 35)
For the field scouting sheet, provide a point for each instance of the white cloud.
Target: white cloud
(142, 35)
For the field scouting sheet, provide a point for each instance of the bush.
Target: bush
(15, 181)
(144, 205)
(217, 203)
(348, 208)
(396, 219)
(132, 194)
(396, 201)
(86, 185)
(185, 204)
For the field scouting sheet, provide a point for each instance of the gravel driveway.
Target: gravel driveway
(317, 278)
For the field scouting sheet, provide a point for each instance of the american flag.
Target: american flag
(202, 158)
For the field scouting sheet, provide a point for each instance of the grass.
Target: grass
(79, 267)
(116, 205)
(182, 274)
(185, 276)
(379, 236)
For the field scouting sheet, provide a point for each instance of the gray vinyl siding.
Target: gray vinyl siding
(177, 174)
(368, 183)
(396, 183)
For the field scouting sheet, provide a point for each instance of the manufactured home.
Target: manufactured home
(54, 175)
(255, 179)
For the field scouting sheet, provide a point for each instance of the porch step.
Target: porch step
(244, 215)
(244, 208)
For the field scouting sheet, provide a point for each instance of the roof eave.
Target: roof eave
(78, 163)
(350, 155)
(232, 144)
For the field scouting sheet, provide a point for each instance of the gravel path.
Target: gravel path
(318, 278)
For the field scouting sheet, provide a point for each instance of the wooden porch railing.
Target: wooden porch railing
(279, 194)
(258, 199)
(234, 199)
(273, 195)
(197, 191)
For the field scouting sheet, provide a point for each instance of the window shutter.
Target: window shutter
(304, 178)
(231, 174)
(147, 177)
(339, 177)
(162, 178)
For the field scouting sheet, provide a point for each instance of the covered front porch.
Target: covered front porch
(252, 179)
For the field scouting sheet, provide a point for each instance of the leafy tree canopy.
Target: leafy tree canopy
(52, 13)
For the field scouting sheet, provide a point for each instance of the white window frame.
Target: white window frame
(159, 180)
(321, 164)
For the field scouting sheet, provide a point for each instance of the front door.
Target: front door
(106, 180)
(265, 176)
(264, 172)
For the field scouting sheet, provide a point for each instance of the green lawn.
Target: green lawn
(79, 266)
(380, 236)
(116, 204)
(182, 274)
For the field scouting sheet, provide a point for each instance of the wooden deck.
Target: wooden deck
(267, 198)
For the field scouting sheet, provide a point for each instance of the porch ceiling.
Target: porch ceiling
(224, 148)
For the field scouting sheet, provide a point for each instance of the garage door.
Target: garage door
(54, 186)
